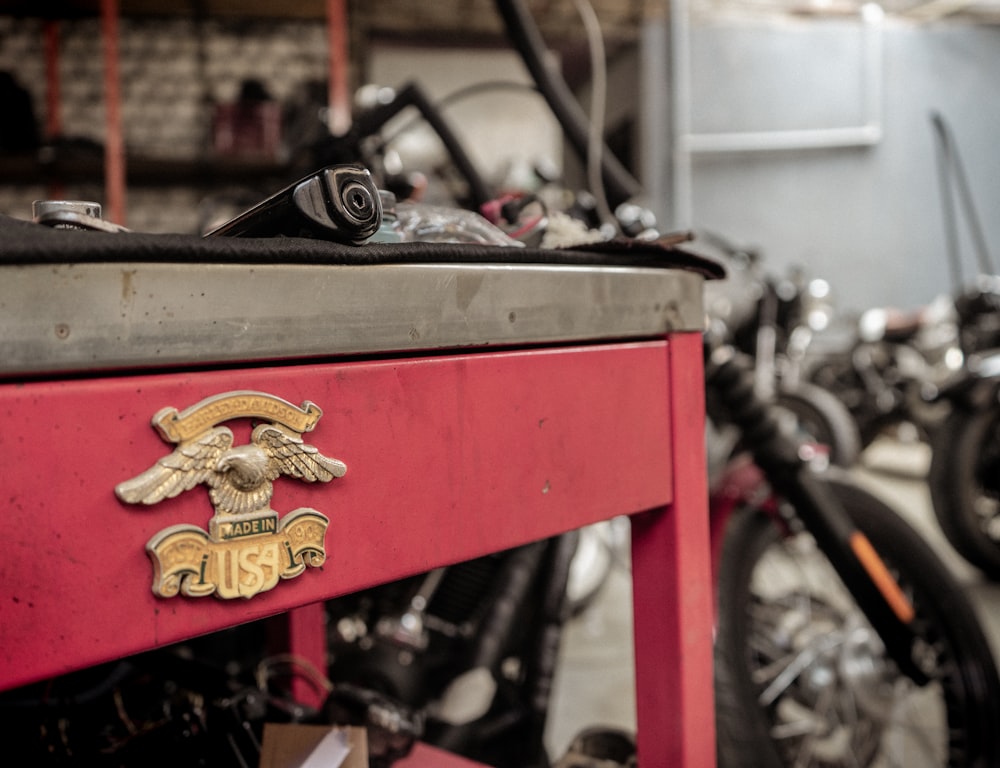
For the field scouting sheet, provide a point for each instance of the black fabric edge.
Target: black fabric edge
(23, 242)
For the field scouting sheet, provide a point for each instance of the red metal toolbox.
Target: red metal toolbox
(463, 408)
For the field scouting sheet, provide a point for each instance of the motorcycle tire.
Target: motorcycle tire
(801, 677)
(823, 419)
(964, 480)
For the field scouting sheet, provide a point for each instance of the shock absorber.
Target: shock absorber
(729, 379)
(732, 396)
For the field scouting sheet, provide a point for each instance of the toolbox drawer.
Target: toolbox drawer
(448, 457)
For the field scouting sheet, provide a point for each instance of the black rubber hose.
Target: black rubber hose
(412, 95)
(524, 35)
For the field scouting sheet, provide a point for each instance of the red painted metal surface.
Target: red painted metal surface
(306, 639)
(424, 755)
(53, 111)
(448, 458)
(339, 97)
(53, 121)
(672, 587)
(114, 140)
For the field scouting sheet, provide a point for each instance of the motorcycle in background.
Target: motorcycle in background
(890, 377)
(939, 370)
(901, 366)
(964, 475)
(965, 460)
(773, 320)
(842, 639)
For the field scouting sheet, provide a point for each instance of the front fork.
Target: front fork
(730, 383)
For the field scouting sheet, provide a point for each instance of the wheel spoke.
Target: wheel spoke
(798, 664)
(835, 728)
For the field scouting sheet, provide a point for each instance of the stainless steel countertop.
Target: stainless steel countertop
(60, 318)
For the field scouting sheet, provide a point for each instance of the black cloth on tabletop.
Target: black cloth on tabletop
(24, 242)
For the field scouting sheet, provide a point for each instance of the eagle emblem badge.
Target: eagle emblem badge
(247, 549)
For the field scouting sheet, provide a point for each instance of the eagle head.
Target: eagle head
(245, 467)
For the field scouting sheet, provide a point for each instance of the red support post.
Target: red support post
(339, 89)
(672, 588)
(307, 642)
(53, 98)
(53, 123)
(114, 144)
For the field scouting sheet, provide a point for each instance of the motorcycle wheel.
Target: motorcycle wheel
(823, 419)
(964, 481)
(803, 680)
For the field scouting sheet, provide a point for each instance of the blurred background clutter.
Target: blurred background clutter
(801, 128)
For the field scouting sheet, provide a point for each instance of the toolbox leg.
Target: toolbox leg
(301, 632)
(672, 590)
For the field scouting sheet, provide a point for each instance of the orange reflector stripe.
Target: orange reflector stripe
(880, 575)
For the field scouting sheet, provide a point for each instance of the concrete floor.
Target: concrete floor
(595, 684)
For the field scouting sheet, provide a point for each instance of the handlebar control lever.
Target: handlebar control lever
(339, 203)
